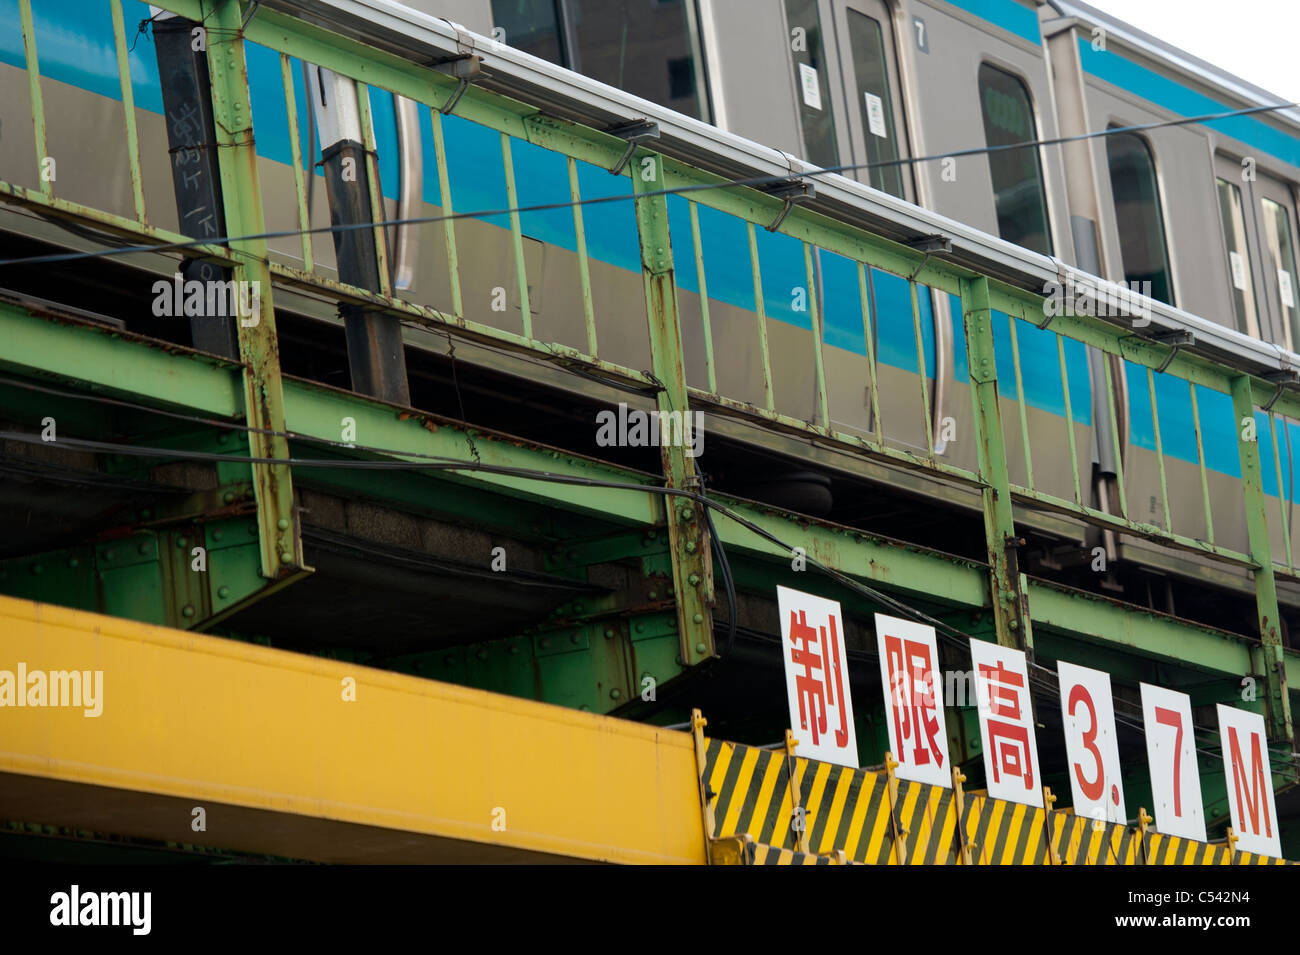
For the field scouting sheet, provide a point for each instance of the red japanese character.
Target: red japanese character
(811, 692)
(1009, 744)
(914, 711)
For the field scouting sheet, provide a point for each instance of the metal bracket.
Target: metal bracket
(1280, 378)
(929, 244)
(462, 69)
(792, 191)
(635, 133)
(1177, 339)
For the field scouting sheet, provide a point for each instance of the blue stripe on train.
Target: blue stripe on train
(84, 56)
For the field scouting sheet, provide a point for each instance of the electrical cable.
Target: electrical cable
(633, 196)
(431, 462)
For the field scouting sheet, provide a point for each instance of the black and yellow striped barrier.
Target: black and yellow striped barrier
(836, 814)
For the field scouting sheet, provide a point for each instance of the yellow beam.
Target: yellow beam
(267, 743)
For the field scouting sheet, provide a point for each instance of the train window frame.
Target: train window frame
(1161, 213)
(833, 148)
(861, 137)
(1290, 322)
(570, 53)
(1245, 300)
(1021, 81)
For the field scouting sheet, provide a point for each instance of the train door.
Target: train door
(1273, 208)
(877, 126)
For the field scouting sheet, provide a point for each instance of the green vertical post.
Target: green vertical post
(687, 536)
(1261, 552)
(999, 524)
(278, 530)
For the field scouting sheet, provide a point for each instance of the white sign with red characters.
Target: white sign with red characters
(1171, 757)
(1089, 718)
(1250, 781)
(909, 671)
(1006, 723)
(817, 677)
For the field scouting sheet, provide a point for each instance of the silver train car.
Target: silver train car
(1202, 215)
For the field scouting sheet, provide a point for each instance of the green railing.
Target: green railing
(993, 313)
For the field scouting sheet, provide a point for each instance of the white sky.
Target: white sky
(1258, 40)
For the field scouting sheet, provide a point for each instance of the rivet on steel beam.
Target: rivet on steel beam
(640, 628)
(653, 595)
(180, 543)
(694, 580)
(188, 611)
(609, 634)
(286, 557)
(690, 547)
(228, 497)
(698, 618)
(575, 638)
(74, 563)
(615, 693)
(282, 523)
(699, 648)
(217, 535)
(545, 643)
(144, 549)
(223, 592)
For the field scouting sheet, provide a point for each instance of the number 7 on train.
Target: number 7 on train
(1171, 757)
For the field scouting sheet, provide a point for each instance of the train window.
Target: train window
(1143, 252)
(867, 43)
(1281, 251)
(652, 50)
(530, 26)
(1018, 193)
(1234, 238)
(812, 89)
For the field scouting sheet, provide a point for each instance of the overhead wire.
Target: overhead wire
(752, 181)
(952, 635)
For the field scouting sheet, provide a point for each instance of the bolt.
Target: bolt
(188, 611)
(686, 514)
(223, 592)
(218, 534)
(694, 580)
(653, 595)
(180, 543)
(145, 549)
(609, 634)
(286, 557)
(1013, 624)
(615, 693)
(699, 648)
(640, 628)
(690, 547)
(698, 618)
(679, 659)
(575, 638)
(282, 523)
(228, 497)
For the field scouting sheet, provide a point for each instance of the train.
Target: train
(914, 101)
